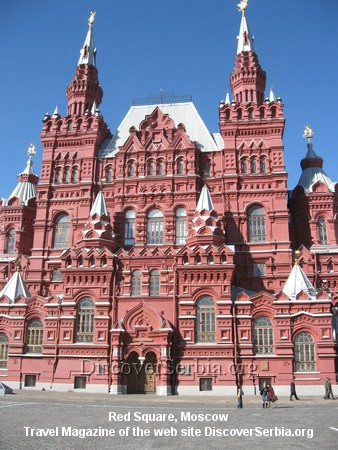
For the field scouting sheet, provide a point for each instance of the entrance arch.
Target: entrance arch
(150, 365)
(141, 378)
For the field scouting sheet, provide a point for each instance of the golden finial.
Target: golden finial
(242, 6)
(91, 19)
(308, 133)
(18, 267)
(31, 150)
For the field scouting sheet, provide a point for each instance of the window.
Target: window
(136, 278)
(30, 380)
(207, 169)
(304, 353)
(80, 262)
(263, 165)
(34, 336)
(205, 320)
(256, 224)
(56, 275)
(58, 175)
(109, 174)
(160, 168)
(10, 241)
(131, 169)
(80, 382)
(181, 226)
(85, 320)
(3, 351)
(180, 167)
(210, 258)
(155, 227)
(154, 283)
(61, 231)
(322, 231)
(129, 228)
(75, 175)
(151, 168)
(258, 269)
(263, 336)
(330, 267)
(66, 178)
(253, 165)
(69, 125)
(205, 384)
(250, 114)
(244, 164)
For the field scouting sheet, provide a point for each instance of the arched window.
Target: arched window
(109, 174)
(263, 165)
(330, 267)
(151, 168)
(250, 114)
(91, 262)
(3, 351)
(180, 167)
(69, 125)
(322, 231)
(273, 112)
(181, 226)
(253, 165)
(198, 259)
(263, 336)
(61, 231)
(75, 175)
(58, 175)
(207, 169)
(131, 169)
(262, 113)
(210, 258)
(34, 336)
(136, 278)
(244, 166)
(205, 320)
(155, 227)
(85, 320)
(66, 176)
(256, 224)
(154, 283)
(304, 352)
(160, 168)
(80, 262)
(239, 114)
(129, 228)
(10, 241)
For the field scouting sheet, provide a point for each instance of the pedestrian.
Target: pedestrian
(240, 394)
(293, 392)
(264, 394)
(328, 389)
(272, 397)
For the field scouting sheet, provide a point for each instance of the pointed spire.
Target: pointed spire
(94, 108)
(245, 39)
(27, 181)
(272, 96)
(227, 99)
(56, 112)
(15, 287)
(99, 206)
(205, 201)
(88, 51)
(298, 282)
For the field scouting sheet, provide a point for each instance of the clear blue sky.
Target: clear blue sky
(180, 46)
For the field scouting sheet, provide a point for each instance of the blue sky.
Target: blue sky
(180, 46)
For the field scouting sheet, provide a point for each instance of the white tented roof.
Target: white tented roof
(15, 287)
(99, 206)
(24, 190)
(311, 175)
(205, 200)
(298, 282)
(185, 113)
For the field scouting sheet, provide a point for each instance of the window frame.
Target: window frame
(85, 320)
(263, 336)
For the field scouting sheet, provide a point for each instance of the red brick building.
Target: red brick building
(164, 258)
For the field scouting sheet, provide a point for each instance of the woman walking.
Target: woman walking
(272, 397)
(265, 396)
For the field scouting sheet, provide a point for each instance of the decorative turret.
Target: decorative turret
(27, 181)
(85, 89)
(15, 288)
(206, 227)
(298, 282)
(248, 78)
(312, 166)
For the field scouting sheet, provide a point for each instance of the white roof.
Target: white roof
(245, 44)
(91, 50)
(15, 287)
(205, 201)
(25, 190)
(99, 206)
(298, 282)
(185, 113)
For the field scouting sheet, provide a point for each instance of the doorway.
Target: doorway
(141, 378)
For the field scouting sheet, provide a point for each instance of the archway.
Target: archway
(141, 373)
(150, 364)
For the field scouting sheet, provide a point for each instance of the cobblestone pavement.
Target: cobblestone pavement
(71, 414)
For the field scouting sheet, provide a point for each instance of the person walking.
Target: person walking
(264, 394)
(272, 397)
(240, 394)
(328, 389)
(293, 392)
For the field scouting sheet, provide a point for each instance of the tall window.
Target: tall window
(34, 336)
(109, 174)
(85, 320)
(304, 352)
(322, 231)
(3, 351)
(136, 278)
(253, 165)
(256, 224)
(160, 168)
(129, 228)
(155, 227)
(207, 169)
(151, 168)
(180, 167)
(75, 175)
(154, 283)
(66, 175)
(131, 169)
(263, 165)
(244, 164)
(58, 175)
(263, 336)
(181, 226)
(61, 231)
(10, 241)
(205, 320)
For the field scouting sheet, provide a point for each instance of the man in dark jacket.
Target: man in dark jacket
(328, 389)
(293, 392)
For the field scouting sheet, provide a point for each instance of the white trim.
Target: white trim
(191, 316)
